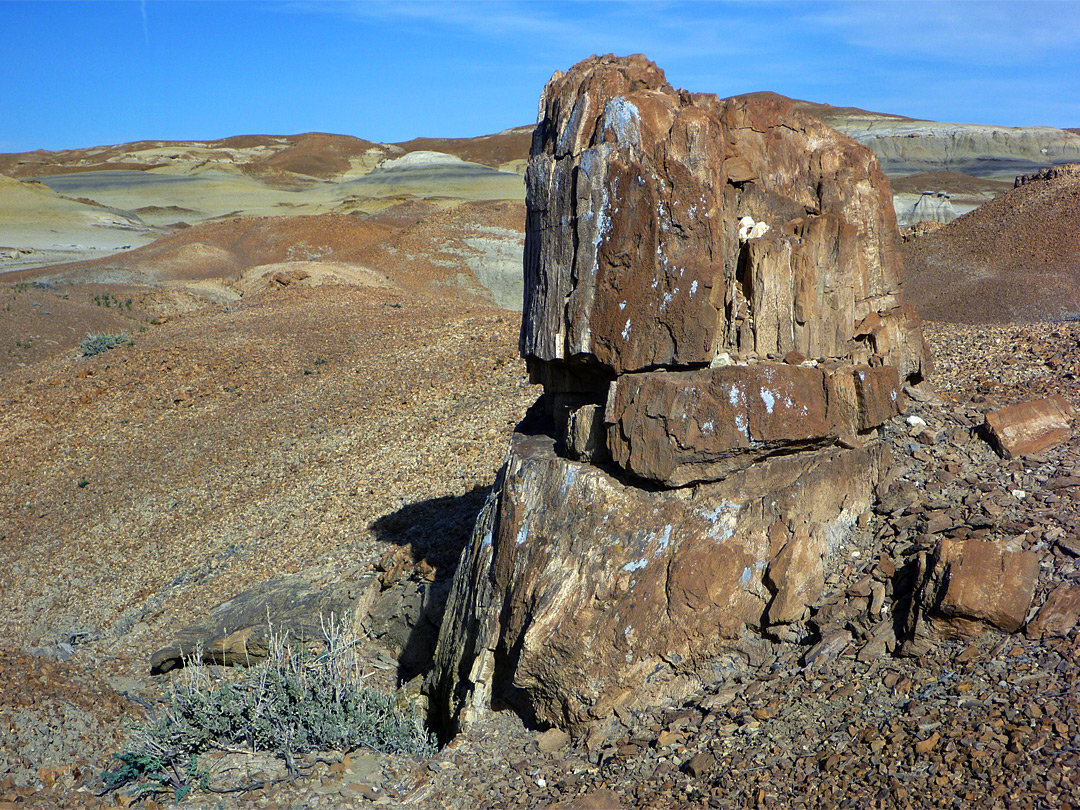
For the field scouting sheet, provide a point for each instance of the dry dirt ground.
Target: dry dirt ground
(1016, 258)
(312, 429)
(280, 409)
(219, 450)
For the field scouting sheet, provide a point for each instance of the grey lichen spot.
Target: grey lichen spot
(623, 120)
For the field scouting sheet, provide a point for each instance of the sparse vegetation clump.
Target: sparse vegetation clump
(108, 301)
(99, 342)
(295, 702)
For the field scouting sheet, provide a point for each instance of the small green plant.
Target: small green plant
(297, 701)
(108, 301)
(147, 774)
(97, 343)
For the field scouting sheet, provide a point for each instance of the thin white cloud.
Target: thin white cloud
(947, 60)
(675, 29)
(974, 33)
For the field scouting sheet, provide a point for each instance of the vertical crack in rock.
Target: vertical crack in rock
(713, 308)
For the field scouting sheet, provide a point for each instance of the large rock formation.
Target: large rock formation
(712, 304)
(931, 206)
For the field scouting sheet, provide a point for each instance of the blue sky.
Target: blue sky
(76, 74)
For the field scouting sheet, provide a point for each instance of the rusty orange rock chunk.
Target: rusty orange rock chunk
(1030, 427)
(987, 582)
(1058, 615)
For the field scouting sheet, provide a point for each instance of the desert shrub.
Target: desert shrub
(297, 701)
(101, 342)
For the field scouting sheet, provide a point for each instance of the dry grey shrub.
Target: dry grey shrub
(100, 342)
(295, 702)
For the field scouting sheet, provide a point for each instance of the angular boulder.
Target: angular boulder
(1059, 614)
(979, 582)
(582, 592)
(238, 632)
(713, 307)
(633, 258)
(1030, 427)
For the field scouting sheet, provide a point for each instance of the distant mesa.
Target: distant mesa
(908, 146)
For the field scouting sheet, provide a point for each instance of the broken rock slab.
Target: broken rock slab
(237, 632)
(975, 583)
(681, 427)
(1030, 427)
(1059, 614)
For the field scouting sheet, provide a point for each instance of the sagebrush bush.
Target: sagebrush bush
(295, 702)
(101, 342)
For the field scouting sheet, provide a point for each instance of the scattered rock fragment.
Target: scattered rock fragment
(1030, 427)
(1059, 614)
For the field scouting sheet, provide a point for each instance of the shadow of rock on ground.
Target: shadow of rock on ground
(416, 575)
(400, 606)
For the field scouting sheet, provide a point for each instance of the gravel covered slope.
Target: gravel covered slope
(1016, 258)
(315, 429)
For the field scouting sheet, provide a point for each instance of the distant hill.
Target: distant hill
(313, 155)
(1016, 258)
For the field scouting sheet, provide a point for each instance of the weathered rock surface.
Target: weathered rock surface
(1030, 427)
(712, 303)
(237, 632)
(585, 593)
(681, 427)
(979, 582)
(1059, 614)
(633, 260)
(1049, 173)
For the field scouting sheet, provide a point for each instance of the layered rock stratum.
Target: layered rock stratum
(713, 306)
(907, 145)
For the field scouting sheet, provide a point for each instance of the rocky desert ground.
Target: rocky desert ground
(318, 379)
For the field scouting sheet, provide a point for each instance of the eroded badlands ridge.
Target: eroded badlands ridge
(713, 308)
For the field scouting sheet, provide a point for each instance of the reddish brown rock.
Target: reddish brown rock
(983, 582)
(1059, 614)
(677, 247)
(682, 427)
(1030, 427)
(579, 592)
(635, 192)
